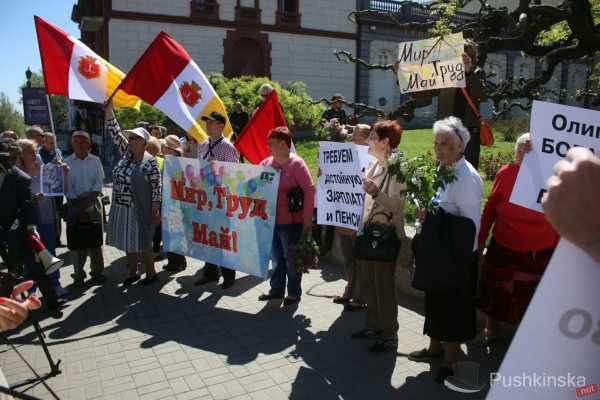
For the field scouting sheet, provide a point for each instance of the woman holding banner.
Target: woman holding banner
(522, 244)
(45, 206)
(354, 296)
(137, 192)
(295, 187)
(383, 207)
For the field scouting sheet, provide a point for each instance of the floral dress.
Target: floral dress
(127, 227)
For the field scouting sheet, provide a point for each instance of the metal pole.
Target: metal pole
(52, 125)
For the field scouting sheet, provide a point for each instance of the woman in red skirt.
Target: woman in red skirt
(520, 248)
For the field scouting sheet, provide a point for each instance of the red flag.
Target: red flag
(252, 142)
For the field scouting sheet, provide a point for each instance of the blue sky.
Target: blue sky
(19, 46)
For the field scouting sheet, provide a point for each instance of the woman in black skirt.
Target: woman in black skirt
(450, 314)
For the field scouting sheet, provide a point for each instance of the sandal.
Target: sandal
(341, 300)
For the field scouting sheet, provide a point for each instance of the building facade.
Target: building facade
(286, 40)
(294, 40)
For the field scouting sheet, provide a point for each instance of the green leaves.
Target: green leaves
(294, 99)
(304, 254)
(423, 176)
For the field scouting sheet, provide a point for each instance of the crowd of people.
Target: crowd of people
(508, 250)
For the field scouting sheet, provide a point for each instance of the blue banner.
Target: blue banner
(220, 212)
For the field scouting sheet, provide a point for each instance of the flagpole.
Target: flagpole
(52, 125)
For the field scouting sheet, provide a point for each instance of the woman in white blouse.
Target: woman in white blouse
(450, 315)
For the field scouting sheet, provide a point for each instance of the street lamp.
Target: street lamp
(28, 76)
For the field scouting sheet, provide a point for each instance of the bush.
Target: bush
(510, 130)
(294, 99)
(489, 164)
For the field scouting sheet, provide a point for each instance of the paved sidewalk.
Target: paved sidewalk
(178, 341)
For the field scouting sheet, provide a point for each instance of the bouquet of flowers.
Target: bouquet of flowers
(423, 176)
(335, 132)
(305, 254)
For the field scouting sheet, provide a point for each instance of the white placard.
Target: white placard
(556, 351)
(340, 195)
(555, 128)
(431, 64)
(52, 180)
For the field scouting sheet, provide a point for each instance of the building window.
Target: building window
(205, 8)
(288, 13)
(383, 57)
(247, 14)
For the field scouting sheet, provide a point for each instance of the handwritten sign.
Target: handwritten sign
(52, 180)
(340, 195)
(219, 212)
(556, 351)
(431, 64)
(555, 128)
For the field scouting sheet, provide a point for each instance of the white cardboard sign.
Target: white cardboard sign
(555, 128)
(340, 195)
(555, 353)
(431, 64)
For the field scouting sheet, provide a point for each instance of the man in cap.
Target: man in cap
(217, 148)
(335, 110)
(85, 218)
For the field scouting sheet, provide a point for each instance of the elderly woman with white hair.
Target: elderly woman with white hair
(136, 197)
(520, 248)
(450, 313)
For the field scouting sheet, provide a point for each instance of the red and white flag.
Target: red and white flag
(253, 143)
(73, 70)
(167, 78)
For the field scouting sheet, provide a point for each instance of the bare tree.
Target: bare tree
(498, 29)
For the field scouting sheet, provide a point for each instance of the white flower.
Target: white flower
(420, 172)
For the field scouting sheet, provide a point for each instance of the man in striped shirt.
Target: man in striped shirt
(217, 148)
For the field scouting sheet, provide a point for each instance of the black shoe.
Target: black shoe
(204, 280)
(365, 334)
(131, 280)
(174, 267)
(149, 280)
(423, 355)
(97, 280)
(353, 307)
(383, 346)
(288, 301)
(442, 374)
(268, 296)
(227, 284)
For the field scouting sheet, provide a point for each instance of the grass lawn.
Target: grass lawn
(413, 142)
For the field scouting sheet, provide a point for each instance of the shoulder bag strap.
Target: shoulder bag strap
(471, 103)
(388, 215)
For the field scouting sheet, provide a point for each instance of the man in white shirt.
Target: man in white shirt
(85, 218)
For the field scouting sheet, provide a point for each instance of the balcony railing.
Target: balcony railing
(407, 11)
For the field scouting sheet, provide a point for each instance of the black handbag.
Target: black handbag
(378, 242)
(295, 199)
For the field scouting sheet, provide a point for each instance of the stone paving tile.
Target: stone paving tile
(178, 341)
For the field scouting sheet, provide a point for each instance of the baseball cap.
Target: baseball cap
(214, 116)
(82, 134)
(141, 132)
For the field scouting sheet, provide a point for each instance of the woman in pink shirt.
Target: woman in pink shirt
(289, 225)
